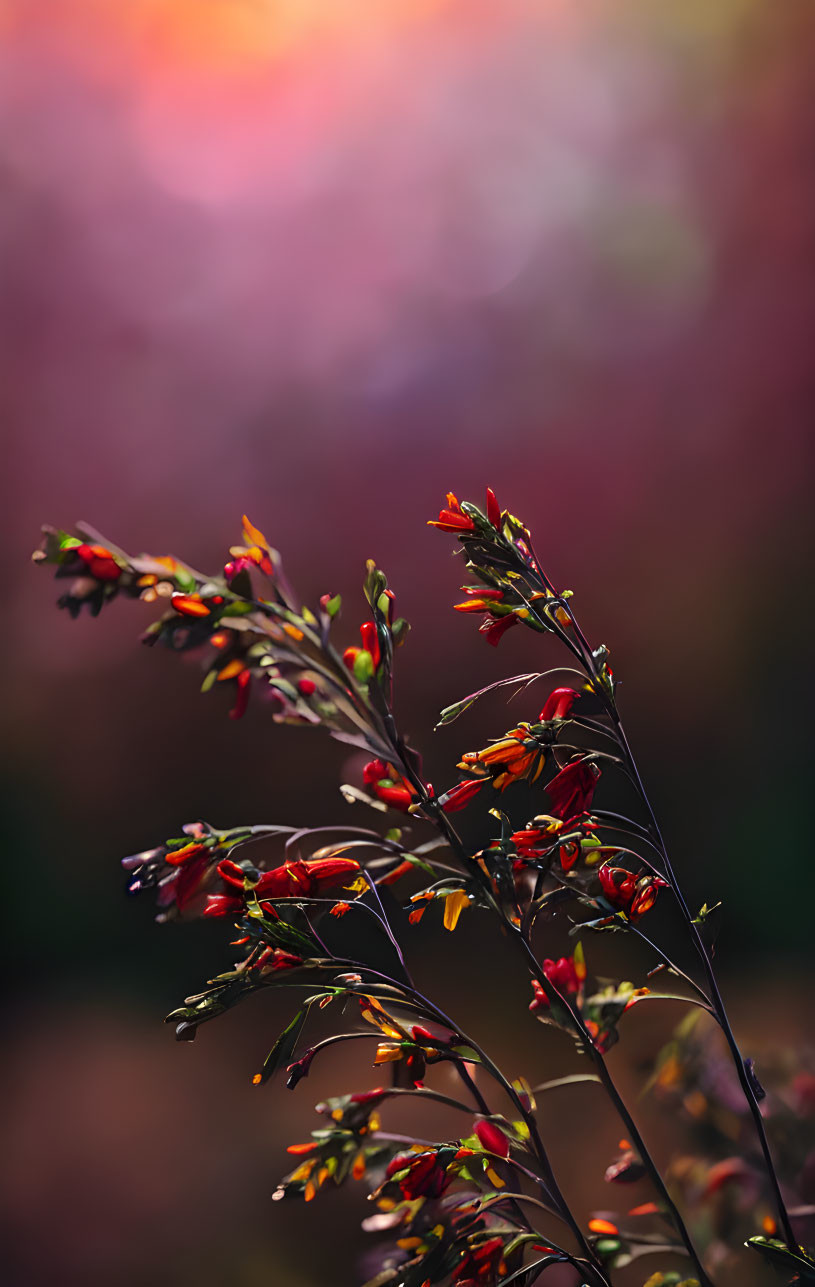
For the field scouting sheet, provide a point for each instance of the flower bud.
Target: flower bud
(491, 1137)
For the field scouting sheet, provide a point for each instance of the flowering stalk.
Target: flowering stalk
(468, 1210)
(561, 620)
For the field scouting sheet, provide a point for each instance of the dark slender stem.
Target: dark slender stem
(433, 1011)
(443, 823)
(666, 960)
(715, 995)
(605, 1077)
(553, 994)
(698, 942)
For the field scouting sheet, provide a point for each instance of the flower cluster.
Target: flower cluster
(317, 914)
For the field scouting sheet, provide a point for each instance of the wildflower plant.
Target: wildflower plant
(484, 1207)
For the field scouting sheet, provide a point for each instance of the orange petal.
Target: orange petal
(253, 535)
(603, 1226)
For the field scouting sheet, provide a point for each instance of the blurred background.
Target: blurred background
(319, 262)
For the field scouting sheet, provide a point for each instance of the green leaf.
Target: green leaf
(466, 1052)
(451, 713)
(784, 1257)
(363, 666)
(399, 631)
(570, 1080)
(375, 582)
(283, 1049)
(417, 862)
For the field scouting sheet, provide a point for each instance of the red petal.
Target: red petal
(493, 509)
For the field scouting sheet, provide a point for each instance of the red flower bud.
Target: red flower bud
(275, 958)
(558, 704)
(492, 1138)
(305, 878)
(306, 687)
(370, 641)
(493, 509)
(350, 655)
(190, 605)
(426, 1176)
(100, 562)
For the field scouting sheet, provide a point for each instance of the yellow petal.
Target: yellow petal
(454, 905)
(387, 1054)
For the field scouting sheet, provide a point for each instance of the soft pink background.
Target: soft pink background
(320, 262)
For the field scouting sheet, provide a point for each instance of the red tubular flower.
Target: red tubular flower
(492, 1138)
(493, 509)
(426, 1177)
(459, 796)
(566, 974)
(452, 519)
(275, 958)
(305, 878)
(370, 641)
(401, 869)
(572, 789)
(101, 563)
(532, 842)
(634, 895)
(618, 885)
(494, 628)
(558, 704)
(388, 785)
(231, 873)
(646, 896)
(482, 1265)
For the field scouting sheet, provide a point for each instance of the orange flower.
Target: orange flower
(511, 758)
